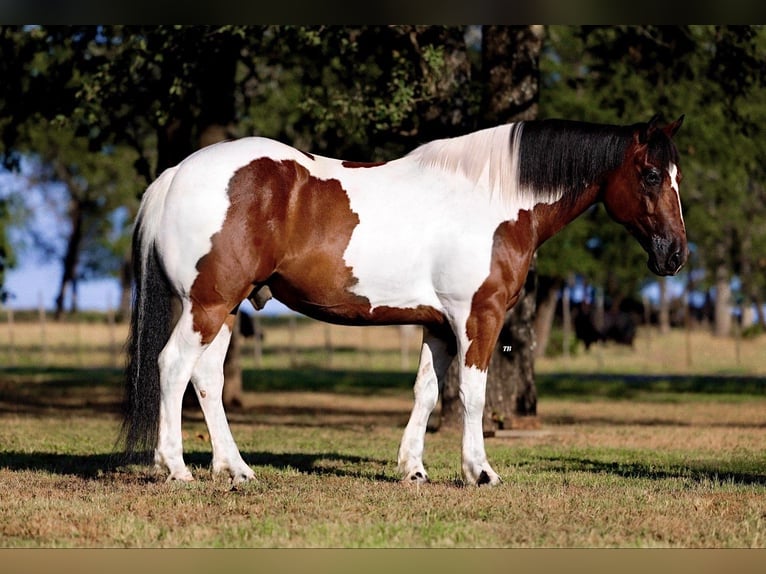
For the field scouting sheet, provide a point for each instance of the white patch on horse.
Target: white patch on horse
(427, 220)
(673, 172)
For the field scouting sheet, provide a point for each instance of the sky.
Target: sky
(33, 284)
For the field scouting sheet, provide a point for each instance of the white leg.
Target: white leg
(208, 384)
(434, 361)
(474, 356)
(476, 469)
(176, 363)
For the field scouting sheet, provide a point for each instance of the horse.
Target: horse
(441, 237)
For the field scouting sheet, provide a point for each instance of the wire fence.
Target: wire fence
(33, 339)
(97, 340)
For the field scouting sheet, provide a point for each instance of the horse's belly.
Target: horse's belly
(340, 304)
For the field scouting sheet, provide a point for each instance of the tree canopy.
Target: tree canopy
(105, 108)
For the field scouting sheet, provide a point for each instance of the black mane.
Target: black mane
(566, 156)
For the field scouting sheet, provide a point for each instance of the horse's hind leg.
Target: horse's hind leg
(207, 379)
(176, 363)
(435, 358)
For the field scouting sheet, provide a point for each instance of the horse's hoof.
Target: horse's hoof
(242, 477)
(489, 480)
(180, 477)
(416, 477)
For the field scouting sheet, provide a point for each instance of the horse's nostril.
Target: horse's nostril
(675, 261)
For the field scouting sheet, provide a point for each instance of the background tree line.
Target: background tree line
(99, 111)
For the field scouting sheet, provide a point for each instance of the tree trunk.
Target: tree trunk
(547, 299)
(510, 64)
(511, 69)
(232, 370)
(72, 254)
(664, 315)
(722, 311)
(511, 392)
(182, 136)
(567, 326)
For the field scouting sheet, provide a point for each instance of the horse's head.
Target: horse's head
(643, 195)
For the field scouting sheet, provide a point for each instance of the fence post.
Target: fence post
(328, 345)
(366, 347)
(405, 332)
(292, 326)
(11, 338)
(257, 345)
(113, 352)
(566, 316)
(43, 328)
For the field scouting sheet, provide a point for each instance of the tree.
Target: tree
(6, 254)
(98, 185)
(44, 68)
(611, 74)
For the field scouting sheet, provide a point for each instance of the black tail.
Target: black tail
(149, 332)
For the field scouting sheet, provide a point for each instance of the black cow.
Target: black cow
(619, 326)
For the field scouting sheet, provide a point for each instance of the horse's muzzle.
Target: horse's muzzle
(662, 264)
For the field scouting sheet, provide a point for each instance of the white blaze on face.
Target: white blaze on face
(673, 172)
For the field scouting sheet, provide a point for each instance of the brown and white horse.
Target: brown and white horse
(442, 237)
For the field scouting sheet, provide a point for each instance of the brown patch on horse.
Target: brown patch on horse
(511, 255)
(514, 243)
(287, 230)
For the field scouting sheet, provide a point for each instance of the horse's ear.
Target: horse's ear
(647, 129)
(671, 129)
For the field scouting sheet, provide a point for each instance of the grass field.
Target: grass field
(632, 452)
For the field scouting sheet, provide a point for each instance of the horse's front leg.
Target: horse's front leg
(475, 349)
(476, 467)
(435, 359)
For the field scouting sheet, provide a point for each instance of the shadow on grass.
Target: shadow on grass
(322, 464)
(347, 381)
(627, 386)
(696, 472)
(99, 465)
(53, 382)
(615, 421)
(84, 466)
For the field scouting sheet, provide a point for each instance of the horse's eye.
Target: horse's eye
(652, 177)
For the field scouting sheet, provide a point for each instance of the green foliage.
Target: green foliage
(142, 97)
(106, 108)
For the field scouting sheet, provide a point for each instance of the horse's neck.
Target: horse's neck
(552, 218)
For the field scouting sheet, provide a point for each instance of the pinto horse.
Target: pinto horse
(442, 237)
